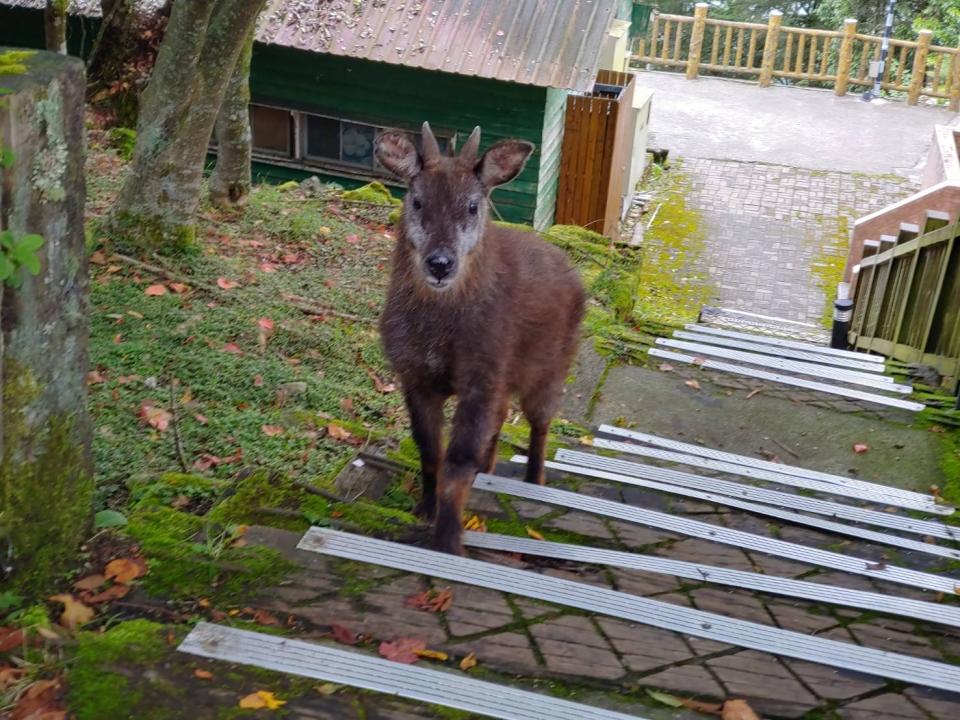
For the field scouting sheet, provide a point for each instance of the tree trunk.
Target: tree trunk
(199, 53)
(55, 26)
(231, 178)
(46, 483)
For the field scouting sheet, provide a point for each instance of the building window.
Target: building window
(323, 141)
(272, 130)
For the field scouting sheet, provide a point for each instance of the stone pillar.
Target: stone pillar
(45, 472)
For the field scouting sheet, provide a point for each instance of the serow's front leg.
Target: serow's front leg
(472, 425)
(426, 418)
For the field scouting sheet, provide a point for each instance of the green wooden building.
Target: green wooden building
(328, 76)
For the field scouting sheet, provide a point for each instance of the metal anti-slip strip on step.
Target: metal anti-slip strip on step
(797, 345)
(680, 452)
(788, 380)
(796, 367)
(875, 494)
(748, 492)
(716, 533)
(873, 368)
(636, 609)
(758, 509)
(346, 667)
(875, 602)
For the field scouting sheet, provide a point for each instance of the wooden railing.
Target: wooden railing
(840, 58)
(907, 301)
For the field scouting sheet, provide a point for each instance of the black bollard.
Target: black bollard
(842, 314)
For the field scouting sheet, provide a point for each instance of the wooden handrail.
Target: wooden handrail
(814, 55)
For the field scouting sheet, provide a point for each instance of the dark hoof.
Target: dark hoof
(426, 509)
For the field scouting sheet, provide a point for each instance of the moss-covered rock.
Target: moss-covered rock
(102, 680)
(375, 192)
(45, 490)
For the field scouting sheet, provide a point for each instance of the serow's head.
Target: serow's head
(445, 210)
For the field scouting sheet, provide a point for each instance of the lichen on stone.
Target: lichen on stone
(50, 163)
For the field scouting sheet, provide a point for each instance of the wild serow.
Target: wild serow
(473, 310)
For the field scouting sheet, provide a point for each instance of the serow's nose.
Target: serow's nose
(439, 264)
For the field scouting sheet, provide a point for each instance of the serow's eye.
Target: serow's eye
(417, 204)
(472, 207)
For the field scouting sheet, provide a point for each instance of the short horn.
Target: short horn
(468, 154)
(431, 150)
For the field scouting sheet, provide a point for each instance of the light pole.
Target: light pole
(884, 49)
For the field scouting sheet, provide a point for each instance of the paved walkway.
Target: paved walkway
(773, 231)
(797, 127)
(779, 175)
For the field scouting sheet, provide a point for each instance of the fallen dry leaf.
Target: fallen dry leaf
(380, 385)
(75, 613)
(155, 417)
(346, 404)
(155, 290)
(271, 430)
(533, 533)
(10, 675)
(402, 650)
(860, 448)
(475, 523)
(344, 636)
(114, 592)
(737, 710)
(95, 377)
(352, 238)
(432, 600)
(232, 348)
(754, 392)
(699, 361)
(665, 367)
(10, 638)
(123, 570)
(202, 674)
(262, 699)
(470, 661)
(225, 284)
(91, 582)
(179, 288)
(432, 655)
(692, 384)
(262, 617)
(338, 433)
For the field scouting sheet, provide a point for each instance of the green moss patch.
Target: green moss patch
(39, 537)
(191, 557)
(375, 192)
(103, 680)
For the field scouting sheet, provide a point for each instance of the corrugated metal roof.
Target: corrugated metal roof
(553, 43)
(89, 8)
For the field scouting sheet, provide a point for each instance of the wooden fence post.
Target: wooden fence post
(770, 48)
(955, 85)
(696, 40)
(919, 66)
(46, 483)
(846, 56)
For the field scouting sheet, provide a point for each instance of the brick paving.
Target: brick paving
(769, 227)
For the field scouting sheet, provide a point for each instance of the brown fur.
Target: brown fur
(507, 326)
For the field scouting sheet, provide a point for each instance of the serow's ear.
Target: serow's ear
(503, 162)
(397, 153)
